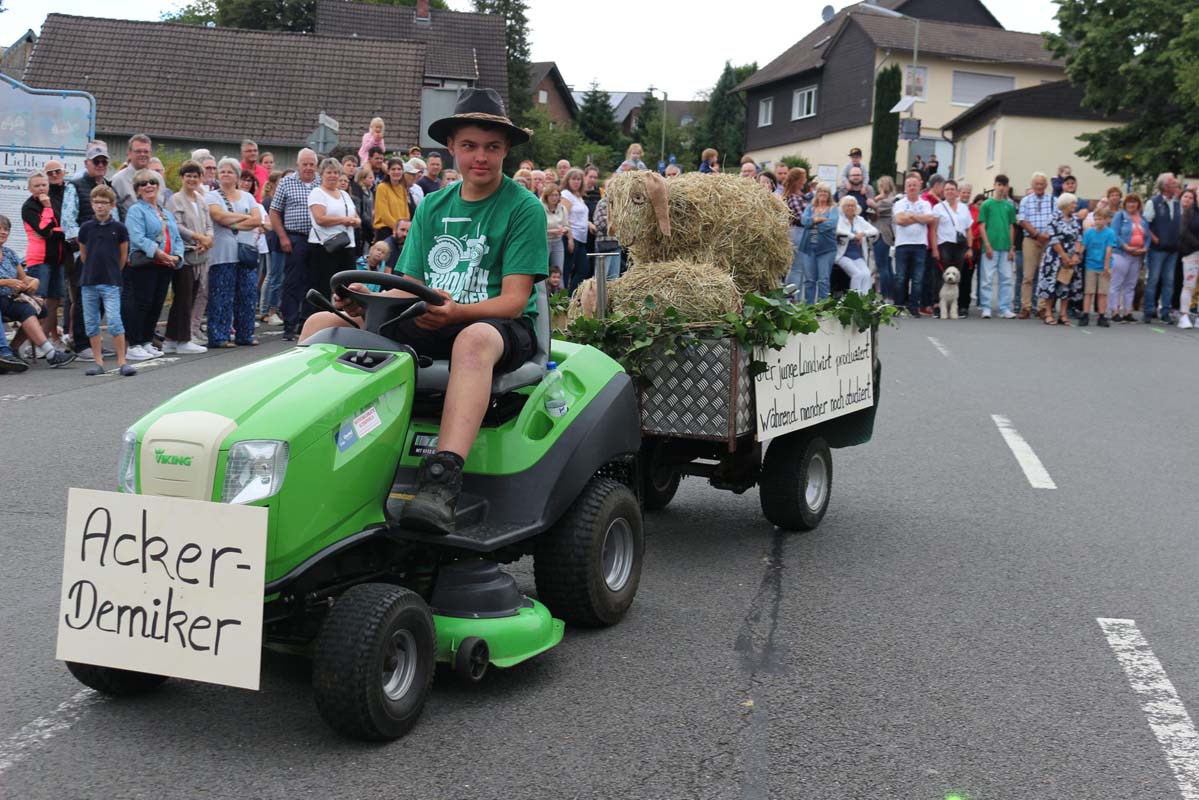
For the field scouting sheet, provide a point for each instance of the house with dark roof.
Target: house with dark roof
(462, 49)
(550, 93)
(816, 99)
(12, 60)
(992, 137)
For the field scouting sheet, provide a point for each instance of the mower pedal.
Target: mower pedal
(471, 509)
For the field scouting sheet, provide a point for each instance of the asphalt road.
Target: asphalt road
(936, 636)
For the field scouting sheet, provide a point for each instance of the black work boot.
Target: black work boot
(438, 485)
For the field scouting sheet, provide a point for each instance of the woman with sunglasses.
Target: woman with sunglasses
(233, 274)
(155, 252)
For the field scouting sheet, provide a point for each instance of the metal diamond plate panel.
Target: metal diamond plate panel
(693, 393)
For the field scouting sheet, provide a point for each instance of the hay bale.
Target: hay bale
(722, 220)
(701, 292)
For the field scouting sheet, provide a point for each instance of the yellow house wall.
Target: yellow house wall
(831, 149)
(1025, 145)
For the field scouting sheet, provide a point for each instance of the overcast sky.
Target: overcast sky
(626, 45)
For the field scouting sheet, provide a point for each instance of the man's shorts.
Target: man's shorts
(13, 311)
(1097, 282)
(49, 280)
(520, 342)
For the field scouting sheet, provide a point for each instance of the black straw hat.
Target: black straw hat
(475, 106)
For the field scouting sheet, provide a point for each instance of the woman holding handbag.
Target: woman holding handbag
(190, 282)
(233, 270)
(155, 252)
(334, 222)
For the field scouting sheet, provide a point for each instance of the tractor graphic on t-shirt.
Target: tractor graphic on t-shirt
(449, 251)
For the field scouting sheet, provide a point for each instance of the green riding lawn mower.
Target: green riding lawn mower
(329, 435)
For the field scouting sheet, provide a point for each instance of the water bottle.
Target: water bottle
(555, 393)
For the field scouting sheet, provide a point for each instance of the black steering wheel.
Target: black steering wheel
(382, 309)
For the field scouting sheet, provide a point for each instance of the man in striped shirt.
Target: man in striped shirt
(290, 216)
(1036, 210)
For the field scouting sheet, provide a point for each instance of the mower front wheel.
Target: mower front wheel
(472, 659)
(375, 656)
(113, 681)
(588, 566)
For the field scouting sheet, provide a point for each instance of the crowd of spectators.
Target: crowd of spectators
(242, 242)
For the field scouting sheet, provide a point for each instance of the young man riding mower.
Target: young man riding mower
(485, 324)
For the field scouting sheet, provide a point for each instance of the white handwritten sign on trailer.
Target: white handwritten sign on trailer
(163, 585)
(814, 378)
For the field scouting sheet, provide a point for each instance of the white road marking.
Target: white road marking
(1168, 718)
(16, 398)
(937, 344)
(1034, 470)
(161, 361)
(22, 744)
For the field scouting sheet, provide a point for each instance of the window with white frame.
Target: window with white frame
(765, 112)
(543, 96)
(991, 144)
(803, 103)
(970, 87)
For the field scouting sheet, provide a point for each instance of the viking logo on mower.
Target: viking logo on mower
(162, 457)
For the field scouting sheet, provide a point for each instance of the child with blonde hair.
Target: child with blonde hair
(372, 138)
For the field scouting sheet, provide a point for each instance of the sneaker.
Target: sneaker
(190, 349)
(12, 364)
(274, 319)
(1117, 318)
(1084, 319)
(127, 370)
(169, 346)
(200, 340)
(1008, 315)
(1184, 321)
(289, 337)
(94, 369)
(152, 349)
(58, 358)
(86, 354)
(439, 483)
(26, 352)
(1102, 321)
(985, 314)
(138, 353)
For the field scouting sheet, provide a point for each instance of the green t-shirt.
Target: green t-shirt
(998, 217)
(467, 247)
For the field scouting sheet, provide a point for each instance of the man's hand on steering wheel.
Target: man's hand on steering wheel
(438, 316)
(348, 304)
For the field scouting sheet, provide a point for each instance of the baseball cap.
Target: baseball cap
(96, 149)
(411, 167)
(857, 151)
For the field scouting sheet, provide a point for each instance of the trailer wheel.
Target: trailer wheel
(659, 478)
(796, 482)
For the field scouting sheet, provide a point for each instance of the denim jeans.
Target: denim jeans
(817, 272)
(882, 260)
(101, 298)
(295, 285)
(1019, 271)
(1000, 264)
(557, 253)
(909, 264)
(272, 288)
(798, 262)
(1160, 283)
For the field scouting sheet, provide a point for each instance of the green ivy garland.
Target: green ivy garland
(764, 321)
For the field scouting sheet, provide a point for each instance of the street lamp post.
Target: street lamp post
(886, 12)
(662, 152)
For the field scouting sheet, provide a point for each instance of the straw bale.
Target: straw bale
(701, 292)
(723, 220)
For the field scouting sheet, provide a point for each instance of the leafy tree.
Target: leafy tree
(1134, 60)
(724, 125)
(602, 156)
(595, 118)
(793, 161)
(884, 138)
(269, 15)
(515, 14)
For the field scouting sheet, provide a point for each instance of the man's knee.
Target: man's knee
(321, 320)
(479, 344)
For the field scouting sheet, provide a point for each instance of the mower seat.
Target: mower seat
(436, 377)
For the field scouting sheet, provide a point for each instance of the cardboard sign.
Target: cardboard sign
(163, 585)
(814, 378)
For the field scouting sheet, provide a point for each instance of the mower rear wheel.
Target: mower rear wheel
(796, 481)
(588, 566)
(113, 681)
(472, 659)
(374, 662)
(659, 478)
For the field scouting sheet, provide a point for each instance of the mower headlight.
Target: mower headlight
(127, 471)
(254, 470)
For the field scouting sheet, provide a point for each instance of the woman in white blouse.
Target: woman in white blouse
(334, 222)
(953, 224)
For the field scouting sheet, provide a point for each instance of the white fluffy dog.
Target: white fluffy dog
(949, 293)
